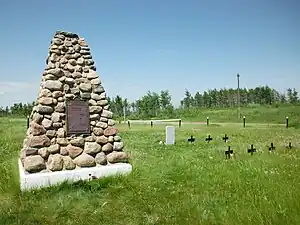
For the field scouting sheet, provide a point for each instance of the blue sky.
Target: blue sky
(153, 45)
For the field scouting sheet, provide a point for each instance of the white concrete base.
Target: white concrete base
(38, 180)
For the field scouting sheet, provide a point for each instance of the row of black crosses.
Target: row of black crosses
(229, 152)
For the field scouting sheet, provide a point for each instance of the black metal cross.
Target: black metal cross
(272, 147)
(191, 139)
(251, 150)
(208, 139)
(228, 152)
(225, 138)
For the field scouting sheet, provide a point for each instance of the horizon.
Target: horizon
(153, 46)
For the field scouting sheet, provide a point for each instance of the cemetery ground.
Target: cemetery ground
(185, 183)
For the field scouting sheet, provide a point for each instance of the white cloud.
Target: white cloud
(165, 51)
(12, 92)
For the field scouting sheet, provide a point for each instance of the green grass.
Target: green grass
(180, 184)
(255, 114)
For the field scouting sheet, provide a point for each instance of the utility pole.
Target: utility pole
(124, 113)
(238, 95)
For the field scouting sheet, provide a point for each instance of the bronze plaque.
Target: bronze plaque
(78, 117)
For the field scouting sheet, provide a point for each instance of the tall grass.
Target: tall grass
(180, 184)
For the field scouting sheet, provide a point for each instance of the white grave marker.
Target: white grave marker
(170, 135)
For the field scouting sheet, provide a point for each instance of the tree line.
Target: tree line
(160, 105)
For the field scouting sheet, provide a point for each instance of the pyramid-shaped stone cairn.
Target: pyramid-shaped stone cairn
(71, 125)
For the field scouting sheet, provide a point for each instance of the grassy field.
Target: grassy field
(180, 184)
(254, 114)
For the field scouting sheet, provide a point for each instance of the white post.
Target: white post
(170, 135)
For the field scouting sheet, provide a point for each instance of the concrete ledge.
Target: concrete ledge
(38, 180)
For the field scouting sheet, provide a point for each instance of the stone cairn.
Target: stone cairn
(70, 74)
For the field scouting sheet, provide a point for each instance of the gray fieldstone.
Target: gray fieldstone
(95, 96)
(70, 96)
(55, 162)
(70, 81)
(49, 77)
(68, 163)
(36, 129)
(86, 87)
(92, 102)
(47, 116)
(90, 139)
(102, 140)
(73, 62)
(77, 49)
(53, 85)
(98, 131)
(92, 75)
(85, 95)
(57, 125)
(117, 138)
(54, 148)
(53, 141)
(47, 123)
(36, 117)
(62, 79)
(111, 122)
(51, 133)
(80, 61)
(64, 151)
(110, 131)
(101, 158)
(95, 81)
(84, 160)
(89, 62)
(74, 151)
(38, 141)
(61, 99)
(115, 157)
(108, 147)
(105, 120)
(86, 56)
(60, 133)
(29, 151)
(75, 91)
(43, 109)
(92, 148)
(94, 116)
(102, 95)
(57, 94)
(56, 72)
(60, 107)
(78, 141)
(106, 113)
(118, 146)
(95, 109)
(76, 74)
(98, 89)
(103, 102)
(66, 89)
(62, 141)
(34, 163)
(102, 125)
(57, 41)
(44, 153)
(111, 139)
(55, 117)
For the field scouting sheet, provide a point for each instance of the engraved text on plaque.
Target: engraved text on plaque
(78, 117)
